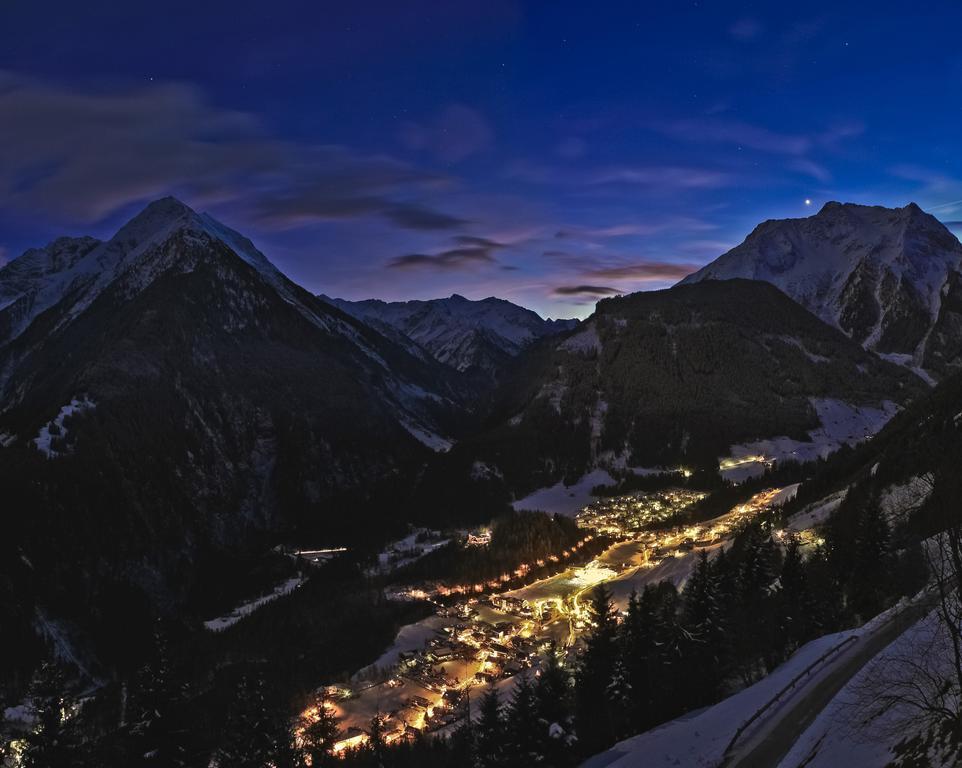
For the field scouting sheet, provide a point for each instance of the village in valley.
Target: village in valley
(480, 635)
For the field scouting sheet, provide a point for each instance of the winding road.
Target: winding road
(776, 735)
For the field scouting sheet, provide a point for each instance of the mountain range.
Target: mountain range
(170, 399)
(457, 332)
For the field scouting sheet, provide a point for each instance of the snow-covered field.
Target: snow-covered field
(841, 422)
(565, 500)
(246, 609)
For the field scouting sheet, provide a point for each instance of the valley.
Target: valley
(425, 680)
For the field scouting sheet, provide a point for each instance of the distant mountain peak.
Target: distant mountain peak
(457, 331)
(887, 277)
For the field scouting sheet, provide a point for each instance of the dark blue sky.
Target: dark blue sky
(546, 152)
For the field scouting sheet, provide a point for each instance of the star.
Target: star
(807, 201)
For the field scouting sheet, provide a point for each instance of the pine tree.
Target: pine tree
(668, 661)
(704, 623)
(53, 743)
(375, 743)
(463, 743)
(525, 736)
(618, 698)
(755, 621)
(553, 694)
(490, 731)
(158, 736)
(592, 712)
(257, 734)
(872, 567)
(795, 600)
(553, 690)
(639, 655)
(319, 732)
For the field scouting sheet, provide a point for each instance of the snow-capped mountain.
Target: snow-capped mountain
(460, 333)
(46, 289)
(888, 278)
(168, 396)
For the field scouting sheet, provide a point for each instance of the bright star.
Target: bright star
(807, 201)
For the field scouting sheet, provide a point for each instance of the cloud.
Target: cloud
(452, 259)
(455, 134)
(585, 290)
(726, 131)
(810, 168)
(659, 176)
(482, 242)
(644, 271)
(418, 217)
(82, 154)
(639, 229)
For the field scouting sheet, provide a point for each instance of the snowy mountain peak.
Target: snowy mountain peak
(457, 331)
(887, 277)
(81, 268)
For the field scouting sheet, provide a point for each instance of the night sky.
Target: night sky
(545, 152)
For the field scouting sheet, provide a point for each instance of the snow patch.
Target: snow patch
(246, 609)
(841, 424)
(55, 427)
(816, 513)
(568, 500)
(586, 340)
(897, 501)
(433, 441)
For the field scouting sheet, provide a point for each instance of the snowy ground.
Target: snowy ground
(408, 550)
(565, 500)
(411, 637)
(841, 424)
(852, 731)
(699, 739)
(816, 513)
(673, 569)
(569, 500)
(246, 609)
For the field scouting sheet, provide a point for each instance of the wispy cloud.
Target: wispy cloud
(586, 291)
(720, 130)
(141, 143)
(472, 252)
(644, 271)
(662, 177)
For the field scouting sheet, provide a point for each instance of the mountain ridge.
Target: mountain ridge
(460, 332)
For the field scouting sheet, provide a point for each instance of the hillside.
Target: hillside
(676, 376)
(170, 401)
